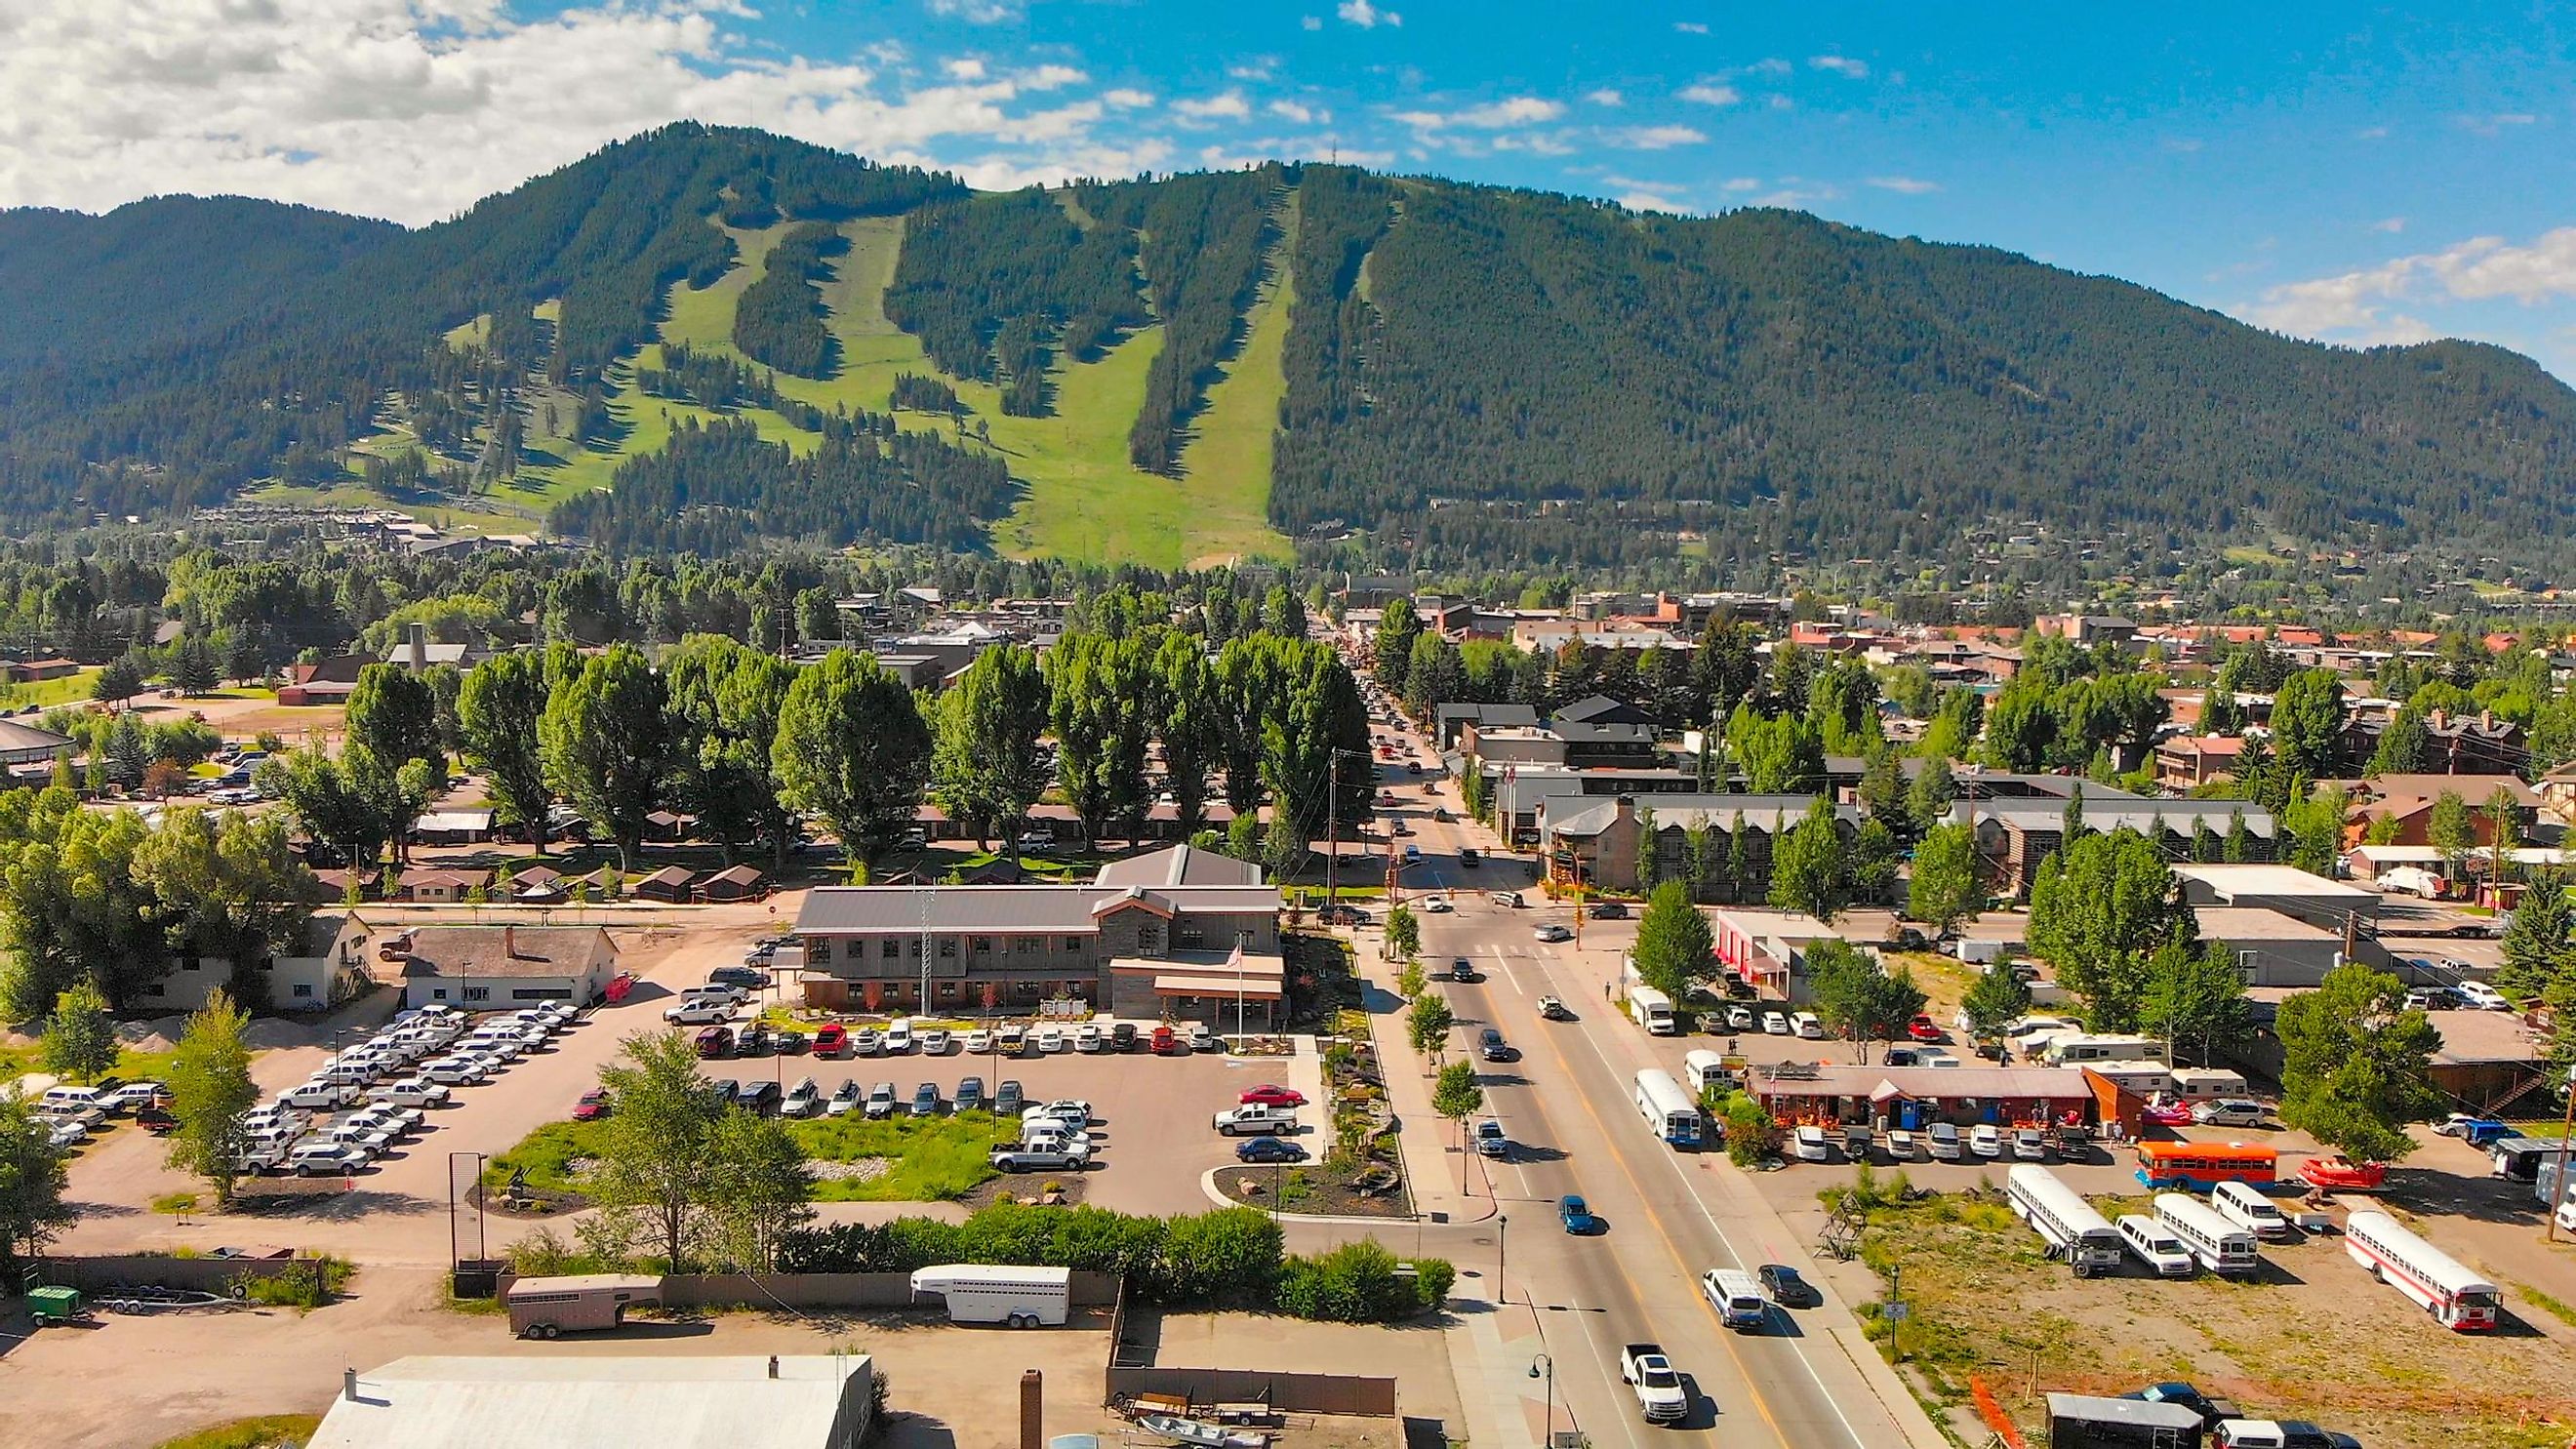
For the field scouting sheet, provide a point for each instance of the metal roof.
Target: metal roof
(830, 910)
(671, 1401)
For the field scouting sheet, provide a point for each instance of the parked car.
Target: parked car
(2029, 1144)
(2228, 1112)
(898, 1036)
(1575, 1216)
(1272, 1095)
(2479, 996)
(591, 1105)
(1204, 1040)
(1269, 1149)
(1014, 1040)
(1436, 906)
(970, 1095)
(1070, 1109)
(1808, 1143)
(1122, 1036)
(1088, 1037)
(978, 1042)
(1924, 1028)
(701, 1011)
(1609, 911)
(1051, 1039)
(805, 1101)
(880, 1101)
(831, 1039)
(715, 1041)
(867, 1041)
(1986, 1140)
(934, 1042)
(749, 977)
(1165, 1042)
(455, 1071)
(1776, 1023)
(1007, 1100)
(925, 1100)
(1739, 1018)
(325, 1159)
(844, 1099)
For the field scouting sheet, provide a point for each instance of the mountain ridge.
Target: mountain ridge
(1468, 373)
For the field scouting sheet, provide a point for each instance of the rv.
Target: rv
(2221, 1246)
(2081, 1049)
(544, 1307)
(2070, 1226)
(1672, 1115)
(1019, 1297)
(1653, 1010)
(2194, 1084)
(2145, 1078)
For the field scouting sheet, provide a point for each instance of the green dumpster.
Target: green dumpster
(54, 1305)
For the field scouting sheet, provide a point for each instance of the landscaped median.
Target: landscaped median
(901, 1159)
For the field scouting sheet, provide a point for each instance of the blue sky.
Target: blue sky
(2357, 174)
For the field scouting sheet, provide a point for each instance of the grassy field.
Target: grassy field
(930, 1159)
(272, 1431)
(46, 693)
(485, 520)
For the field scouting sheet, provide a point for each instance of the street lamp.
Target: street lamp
(1502, 1242)
(1550, 1365)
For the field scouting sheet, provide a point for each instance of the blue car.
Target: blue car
(1269, 1149)
(1577, 1218)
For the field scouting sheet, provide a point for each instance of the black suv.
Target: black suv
(1122, 1037)
(761, 1097)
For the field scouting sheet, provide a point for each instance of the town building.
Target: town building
(2288, 890)
(670, 1401)
(2186, 762)
(1605, 839)
(2014, 836)
(2409, 800)
(1176, 933)
(498, 968)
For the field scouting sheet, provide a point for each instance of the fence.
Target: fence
(194, 1275)
(1294, 1393)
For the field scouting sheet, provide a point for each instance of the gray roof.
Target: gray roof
(1179, 866)
(1498, 716)
(1074, 910)
(2180, 816)
(1690, 812)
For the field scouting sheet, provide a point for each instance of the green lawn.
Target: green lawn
(46, 693)
(934, 1158)
(485, 520)
(273, 1431)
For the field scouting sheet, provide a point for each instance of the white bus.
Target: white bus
(1653, 1010)
(2458, 1298)
(982, 1293)
(2072, 1229)
(1702, 1069)
(2221, 1246)
(1667, 1108)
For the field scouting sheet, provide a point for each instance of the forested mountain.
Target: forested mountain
(1469, 375)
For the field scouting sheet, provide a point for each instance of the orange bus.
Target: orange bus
(2201, 1166)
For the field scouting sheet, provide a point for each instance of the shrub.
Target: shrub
(1354, 1283)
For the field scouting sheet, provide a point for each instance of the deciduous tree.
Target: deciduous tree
(1674, 942)
(852, 748)
(1944, 889)
(499, 706)
(211, 1092)
(1808, 871)
(607, 744)
(2356, 1064)
(2098, 912)
(80, 1039)
(34, 1175)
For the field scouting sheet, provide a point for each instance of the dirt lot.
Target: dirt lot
(2311, 1337)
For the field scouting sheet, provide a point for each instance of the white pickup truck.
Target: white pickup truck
(1256, 1119)
(1056, 1154)
(1659, 1390)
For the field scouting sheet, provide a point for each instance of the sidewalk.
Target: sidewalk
(1431, 1164)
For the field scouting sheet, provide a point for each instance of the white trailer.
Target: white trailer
(2058, 1214)
(988, 1293)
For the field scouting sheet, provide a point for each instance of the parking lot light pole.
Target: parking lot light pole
(1543, 1361)
(1502, 1242)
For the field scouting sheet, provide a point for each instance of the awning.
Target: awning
(1251, 987)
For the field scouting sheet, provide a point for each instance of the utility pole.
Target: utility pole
(1332, 832)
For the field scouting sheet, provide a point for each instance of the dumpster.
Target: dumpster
(54, 1305)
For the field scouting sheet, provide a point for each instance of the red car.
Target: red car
(593, 1104)
(1166, 1042)
(831, 1039)
(1269, 1095)
(1922, 1028)
(618, 985)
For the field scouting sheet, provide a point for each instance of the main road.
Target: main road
(1566, 1105)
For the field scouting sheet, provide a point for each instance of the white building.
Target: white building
(501, 968)
(803, 1401)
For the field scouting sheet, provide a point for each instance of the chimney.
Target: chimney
(2486, 719)
(1032, 1409)
(416, 644)
(510, 943)
(349, 1384)
(773, 1365)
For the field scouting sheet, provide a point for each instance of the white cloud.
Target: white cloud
(1312, 22)
(1605, 97)
(1744, 183)
(1127, 98)
(2371, 133)
(977, 12)
(1651, 138)
(963, 69)
(1293, 111)
(1367, 16)
(1711, 93)
(1842, 65)
(1774, 65)
(1231, 106)
(414, 109)
(1649, 201)
(2391, 224)
(1258, 68)
(1690, 27)
(2497, 125)
(1492, 116)
(2361, 307)
(1904, 185)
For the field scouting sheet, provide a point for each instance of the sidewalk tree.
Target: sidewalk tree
(1428, 1025)
(2355, 1064)
(34, 1174)
(1944, 889)
(80, 1039)
(1403, 933)
(1409, 982)
(1674, 943)
(1457, 1095)
(2504, 830)
(210, 1093)
(2452, 829)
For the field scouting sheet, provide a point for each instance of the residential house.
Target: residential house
(333, 967)
(36, 671)
(2014, 836)
(735, 883)
(1604, 840)
(539, 885)
(1172, 934)
(440, 887)
(329, 682)
(2186, 762)
(2408, 801)
(671, 885)
(453, 827)
(499, 968)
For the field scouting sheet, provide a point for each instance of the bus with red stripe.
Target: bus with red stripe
(2459, 1299)
(2201, 1166)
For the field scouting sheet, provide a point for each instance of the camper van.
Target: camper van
(1017, 1297)
(2220, 1245)
(2198, 1084)
(2084, 1049)
(2145, 1078)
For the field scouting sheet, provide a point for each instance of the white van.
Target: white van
(1736, 1297)
(69, 1099)
(2155, 1247)
(2240, 1204)
(1808, 1025)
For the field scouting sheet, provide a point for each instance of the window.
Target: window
(192, 964)
(947, 947)
(890, 948)
(304, 988)
(1073, 943)
(1188, 935)
(1028, 945)
(438, 993)
(948, 991)
(980, 945)
(156, 989)
(478, 993)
